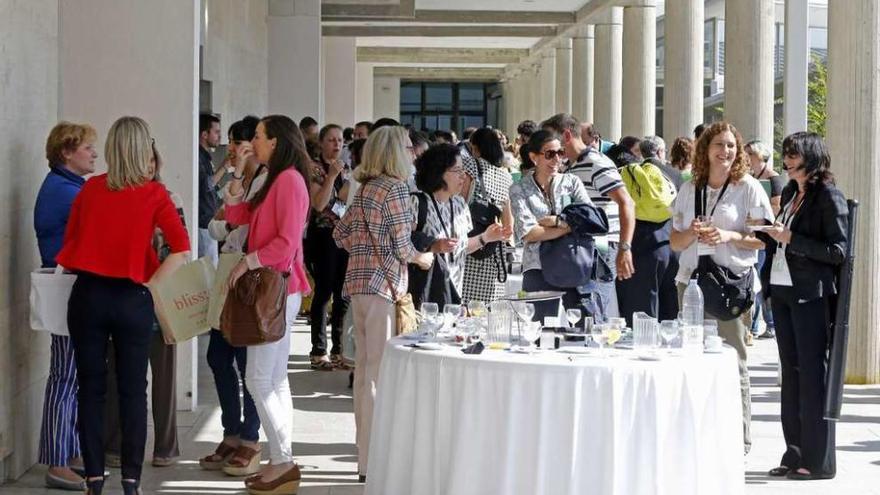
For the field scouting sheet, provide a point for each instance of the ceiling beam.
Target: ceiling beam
(405, 8)
(439, 73)
(442, 31)
(441, 55)
(462, 17)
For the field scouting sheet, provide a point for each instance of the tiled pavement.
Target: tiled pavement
(324, 435)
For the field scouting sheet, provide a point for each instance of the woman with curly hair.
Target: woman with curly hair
(730, 196)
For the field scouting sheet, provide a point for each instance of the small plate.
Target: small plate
(428, 346)
(650, 357)
(574, 350)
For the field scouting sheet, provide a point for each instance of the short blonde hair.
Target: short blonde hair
(385, 153)
(128, 151)
(67, 136)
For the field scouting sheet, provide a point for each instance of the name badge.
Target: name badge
(705, 249)
(779, 274)
(338, 208)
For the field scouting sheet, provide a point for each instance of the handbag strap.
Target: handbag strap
(374, 245)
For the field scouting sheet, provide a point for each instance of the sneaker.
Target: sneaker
(769, 334)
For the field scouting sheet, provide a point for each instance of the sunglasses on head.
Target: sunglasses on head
(549, 154)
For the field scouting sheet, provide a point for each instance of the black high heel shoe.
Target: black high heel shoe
(94, 487)
(131, 487)
(779, 472)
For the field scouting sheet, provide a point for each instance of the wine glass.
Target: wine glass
(531, 332)
(617, 322)
(668, 331)
(597, 334)
(430, 313)
(573, 316)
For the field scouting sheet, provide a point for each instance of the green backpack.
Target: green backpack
(652, 192)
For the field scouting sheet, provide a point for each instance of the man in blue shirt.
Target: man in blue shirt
(209, 201)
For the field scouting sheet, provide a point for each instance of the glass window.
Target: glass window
(709, 46)
(410, 97)
(470, 97)
(818, 38)
(471, 121)
(438, 97)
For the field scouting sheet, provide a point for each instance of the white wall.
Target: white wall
(339, 62)
(129, 57)
(236, 55)
(386, 97)
(28, 110)
(364, 90)
(295, 87)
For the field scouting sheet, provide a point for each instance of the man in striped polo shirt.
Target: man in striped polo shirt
(606, 189)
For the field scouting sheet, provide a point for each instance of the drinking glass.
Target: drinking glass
(573, 316)
(618, 323)
(668, 331)
(430, 318)
(430, 309)
(710, 327)
(612, 334)
(451, 313)
(531, 332)
(477, 308)
(597, 334)
(588, 324)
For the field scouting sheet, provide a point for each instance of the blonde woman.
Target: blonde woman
(108, 243)
(375, 231)
(730, 197)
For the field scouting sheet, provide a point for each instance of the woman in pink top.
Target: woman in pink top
(277, 217)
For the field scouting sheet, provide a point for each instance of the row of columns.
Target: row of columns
(620, 99)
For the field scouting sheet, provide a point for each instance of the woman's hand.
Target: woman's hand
(444, 245)
(713, 236)
(240, 269)
(244, 154)
(779, 233)
(336, 168)
(496, 232)
(424, 260)
(549, 221)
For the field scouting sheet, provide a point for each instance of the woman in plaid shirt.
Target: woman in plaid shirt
(375, 231)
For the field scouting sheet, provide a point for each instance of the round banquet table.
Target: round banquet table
(555, 424)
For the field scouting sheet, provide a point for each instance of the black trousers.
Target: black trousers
(802, 337)
(651, 289)
(100, 308)
(327, 265)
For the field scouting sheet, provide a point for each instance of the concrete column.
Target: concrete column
(105, 77)
(534, 86)
(505, 116)
(852, 127)
(748, 72)
(797, 65)
(364, 89)
(640, 70)
(582, 73)
(563, 76)
(609, 80)
(339, 63)
(386, 97)
(683, 73)
(295, 83)
(547, 85)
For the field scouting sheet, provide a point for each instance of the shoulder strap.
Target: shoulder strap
(632, 177)
(374, 244)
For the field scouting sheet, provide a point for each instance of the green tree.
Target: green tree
(817, 91)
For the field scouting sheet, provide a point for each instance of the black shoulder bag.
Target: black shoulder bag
(726, 295)
(484, 213)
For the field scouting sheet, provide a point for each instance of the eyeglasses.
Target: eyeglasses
(456, 170)
(550, 154)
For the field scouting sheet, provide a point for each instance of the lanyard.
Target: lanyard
(449, 235)
(790, 211)
(704, 198)
(547, 195)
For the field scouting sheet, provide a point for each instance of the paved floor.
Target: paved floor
(324, 437)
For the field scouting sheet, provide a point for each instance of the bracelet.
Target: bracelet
(237, 177)
(480, 238)
(557, 222)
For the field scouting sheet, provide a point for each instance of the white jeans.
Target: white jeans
(268, 384)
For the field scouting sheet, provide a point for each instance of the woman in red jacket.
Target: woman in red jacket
(108, 243)
(277, 216)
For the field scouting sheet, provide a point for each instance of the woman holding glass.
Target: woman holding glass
(537, 201)
(805, 247)
(731, 197)
(440, 175)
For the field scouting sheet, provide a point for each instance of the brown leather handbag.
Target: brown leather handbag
(254, 311)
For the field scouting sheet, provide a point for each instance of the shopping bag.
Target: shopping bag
(50, 291)
(219, 289)
(181, 301)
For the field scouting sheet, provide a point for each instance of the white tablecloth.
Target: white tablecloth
(500, 423)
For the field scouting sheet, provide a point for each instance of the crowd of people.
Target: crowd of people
(359, 217)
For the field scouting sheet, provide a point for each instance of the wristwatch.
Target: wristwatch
(624, 246)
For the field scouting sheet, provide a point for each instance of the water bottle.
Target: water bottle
(692, 314)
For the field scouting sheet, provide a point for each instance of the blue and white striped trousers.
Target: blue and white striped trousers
(59, 439)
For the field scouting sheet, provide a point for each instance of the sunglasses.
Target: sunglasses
(550, 154)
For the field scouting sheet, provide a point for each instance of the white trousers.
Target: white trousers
(374, 322)
(270, 388)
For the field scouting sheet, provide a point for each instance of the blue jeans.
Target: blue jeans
(221, 356)
(762, 306)
(602, 289)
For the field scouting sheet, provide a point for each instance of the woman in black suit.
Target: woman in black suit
(805, 247)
